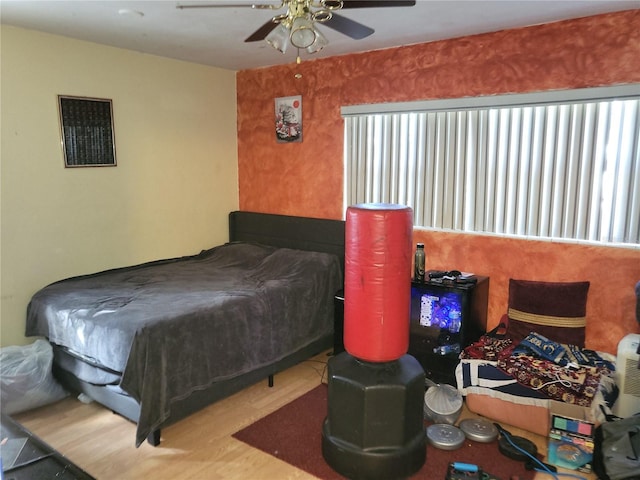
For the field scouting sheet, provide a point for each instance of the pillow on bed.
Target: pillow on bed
(556, 310)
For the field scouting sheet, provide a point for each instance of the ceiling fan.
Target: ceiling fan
(297, 26)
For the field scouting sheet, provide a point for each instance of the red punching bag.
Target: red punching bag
(377, 290)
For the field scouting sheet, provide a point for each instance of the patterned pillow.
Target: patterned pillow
(556, 310)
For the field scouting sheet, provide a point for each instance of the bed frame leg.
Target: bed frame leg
(154, 438)
(270, 381)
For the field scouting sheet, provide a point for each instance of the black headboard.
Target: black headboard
(302, 233)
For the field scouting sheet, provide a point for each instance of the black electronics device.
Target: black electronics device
(450, 277)
(444, 319)
(442, 274)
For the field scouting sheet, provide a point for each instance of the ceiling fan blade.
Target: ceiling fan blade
(377, 3)
(349, 27)
(262, 32)
(214, 5)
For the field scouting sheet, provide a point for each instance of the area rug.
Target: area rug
(294, 434)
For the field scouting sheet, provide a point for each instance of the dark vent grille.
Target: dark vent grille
(87, 132)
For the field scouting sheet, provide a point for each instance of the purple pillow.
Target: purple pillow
(556, 310)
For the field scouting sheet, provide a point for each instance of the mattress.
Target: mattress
(83, 368)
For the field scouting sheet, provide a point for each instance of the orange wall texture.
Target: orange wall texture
(307, 178)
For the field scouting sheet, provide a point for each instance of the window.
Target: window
(561, 165)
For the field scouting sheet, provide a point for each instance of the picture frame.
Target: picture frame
(87, 133)
(288, 119)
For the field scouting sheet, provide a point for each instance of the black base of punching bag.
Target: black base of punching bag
(374, 427)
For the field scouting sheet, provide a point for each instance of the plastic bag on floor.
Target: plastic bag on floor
(616, 454)
(26, 381)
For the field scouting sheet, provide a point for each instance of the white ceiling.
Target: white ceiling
(215, 36)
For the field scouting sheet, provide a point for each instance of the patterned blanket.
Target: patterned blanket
(564, 373)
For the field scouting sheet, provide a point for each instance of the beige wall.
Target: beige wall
(176, 179)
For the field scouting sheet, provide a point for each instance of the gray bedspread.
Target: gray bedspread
(176, 326)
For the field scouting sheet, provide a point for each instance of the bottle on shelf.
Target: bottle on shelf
(419, 263)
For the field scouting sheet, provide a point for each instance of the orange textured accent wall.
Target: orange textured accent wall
(612, 272)
(307, 178)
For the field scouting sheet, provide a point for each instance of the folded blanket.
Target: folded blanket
(562, 354)
(545, 368)
(576, 386)
(481, 373)
(489, 346)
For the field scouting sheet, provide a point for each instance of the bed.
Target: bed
(158, 341)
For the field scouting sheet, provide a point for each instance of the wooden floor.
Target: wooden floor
(199, 447)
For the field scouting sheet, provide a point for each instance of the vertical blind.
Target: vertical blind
(556, 170)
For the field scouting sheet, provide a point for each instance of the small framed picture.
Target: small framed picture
(86, 126)
(289, 119)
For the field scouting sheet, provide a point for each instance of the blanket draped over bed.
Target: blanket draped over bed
(176, 326)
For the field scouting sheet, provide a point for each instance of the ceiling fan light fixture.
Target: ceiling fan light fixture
(332, 4)
(321, 15)
(320, 42)
(278, 38)
(303, 34)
